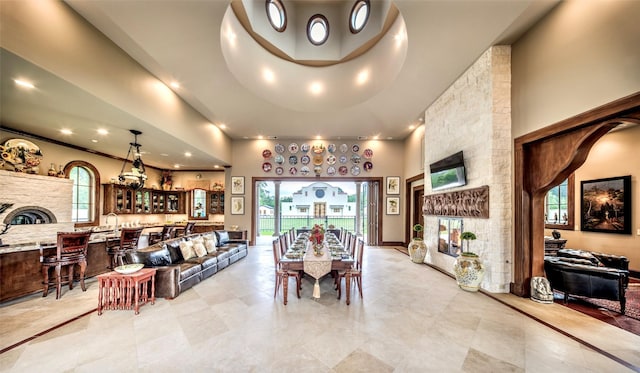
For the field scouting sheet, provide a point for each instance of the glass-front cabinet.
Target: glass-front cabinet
(198, 204)
(216, 202)
(123, 200)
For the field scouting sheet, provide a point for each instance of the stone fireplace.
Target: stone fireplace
(39, 207)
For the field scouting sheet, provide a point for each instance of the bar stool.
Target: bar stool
(71, 249)
(128, 241)
(167, 233)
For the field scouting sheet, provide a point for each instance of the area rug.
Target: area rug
(633, 302)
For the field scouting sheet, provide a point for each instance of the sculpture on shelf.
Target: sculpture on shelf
(541, 290)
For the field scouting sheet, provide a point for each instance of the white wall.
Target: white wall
(473, 115)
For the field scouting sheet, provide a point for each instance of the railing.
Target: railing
(267, 222)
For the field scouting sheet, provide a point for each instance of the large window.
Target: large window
(559, 205)
(85, 192)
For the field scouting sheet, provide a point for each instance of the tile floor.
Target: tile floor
(412, 319)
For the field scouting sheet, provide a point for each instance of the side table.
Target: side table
(117, 291)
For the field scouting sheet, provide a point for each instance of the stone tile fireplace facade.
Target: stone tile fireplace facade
(43, 201)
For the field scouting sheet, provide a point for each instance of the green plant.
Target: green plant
(468, 236)
(418, 228)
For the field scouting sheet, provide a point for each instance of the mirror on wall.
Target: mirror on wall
(199, 204)
(449, 241)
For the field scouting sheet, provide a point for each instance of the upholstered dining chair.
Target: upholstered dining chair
(167, 233)
(71, 249)
(128, 241)
(280, 273)
(355, 272)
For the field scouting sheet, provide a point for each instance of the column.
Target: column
(358, 217)
(276, 210)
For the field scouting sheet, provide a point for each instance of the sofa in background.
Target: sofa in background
(588, 274)
(205, 253)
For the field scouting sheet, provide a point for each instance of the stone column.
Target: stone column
(276, 210)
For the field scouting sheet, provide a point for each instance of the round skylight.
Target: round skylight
(276, 14)
(318, 29)
(359, 16)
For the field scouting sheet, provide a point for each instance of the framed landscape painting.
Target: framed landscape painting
(605, 205)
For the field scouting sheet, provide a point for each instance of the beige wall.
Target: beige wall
(610, 157)
(584, 54)
(388, 160)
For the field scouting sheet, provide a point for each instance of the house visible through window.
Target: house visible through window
(559, 205)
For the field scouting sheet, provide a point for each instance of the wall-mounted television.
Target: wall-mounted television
(448, 172)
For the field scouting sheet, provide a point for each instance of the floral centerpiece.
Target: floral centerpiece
(317, 234)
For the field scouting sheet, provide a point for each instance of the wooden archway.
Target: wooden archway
(542, 160)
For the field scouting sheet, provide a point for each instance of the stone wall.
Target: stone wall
(474, 115)
(51, 193)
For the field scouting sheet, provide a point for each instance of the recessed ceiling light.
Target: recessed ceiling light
(66, 131)
(245, 137)
(94, 140)
(24, 83)
(318, 137)
(389, 138)
(216, 166)
(268, 75)
(176, 166)
(103, 131)
(363, 77)
(260, 137)
(316, 88)
(187, 154)
(175, 85)
(164, 154)
(412, 127)
(222, 126)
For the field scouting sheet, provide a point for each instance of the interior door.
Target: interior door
(371, 194)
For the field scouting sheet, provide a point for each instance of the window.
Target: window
(85, 193)
(318, 29)
(359, 16)
(276, 14)
(559, 205)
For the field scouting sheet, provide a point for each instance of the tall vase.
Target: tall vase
(469, 271)
(417, 250)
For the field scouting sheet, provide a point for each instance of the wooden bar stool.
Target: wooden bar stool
(71, 249)
(128, 241)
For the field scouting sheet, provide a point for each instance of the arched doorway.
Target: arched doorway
(543, 159)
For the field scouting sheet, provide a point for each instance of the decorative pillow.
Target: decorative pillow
(210, 243)
(186, 247)
(199, 249)
(198, 239)
(222, 237)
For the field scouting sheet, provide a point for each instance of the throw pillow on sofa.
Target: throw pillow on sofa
(186, 247)
(199, 249)
(222, 237)
(210, 243)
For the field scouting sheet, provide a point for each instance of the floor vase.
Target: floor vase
(417, 250)
(469, 271)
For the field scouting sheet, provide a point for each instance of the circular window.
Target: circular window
(359, 16)
(319, 193)
(276, 14)
(318, 29)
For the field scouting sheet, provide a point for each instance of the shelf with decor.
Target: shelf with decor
(121, 199)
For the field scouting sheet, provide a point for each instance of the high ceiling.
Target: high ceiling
(184, 41)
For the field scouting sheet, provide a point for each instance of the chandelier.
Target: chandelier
(136, 177)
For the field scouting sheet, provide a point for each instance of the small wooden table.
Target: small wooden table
(118, 291)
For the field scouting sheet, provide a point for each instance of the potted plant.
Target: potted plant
(417, 248)
(468, 268)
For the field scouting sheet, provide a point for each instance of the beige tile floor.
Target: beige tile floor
(412, 319)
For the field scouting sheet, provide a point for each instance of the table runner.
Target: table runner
(317, 266)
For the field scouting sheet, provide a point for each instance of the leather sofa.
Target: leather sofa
(175, 274)
(588, 274)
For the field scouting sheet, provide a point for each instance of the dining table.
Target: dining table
(316, 260)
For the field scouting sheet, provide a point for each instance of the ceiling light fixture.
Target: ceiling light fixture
(24, 83)
(103, 131)
(135, 178)
(66, 131)
(175, 85)
(187, 154)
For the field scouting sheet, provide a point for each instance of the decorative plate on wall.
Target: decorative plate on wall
(317, 170)
(279, 148)
(305, 159)
(293, 148)
(344, 148)
(293, 170)
(318, 149)
(317, 160)
(343, 159)
(354, 158)
(331, 170)
(331, 148)
(368, 153)
(355, 148)
(343, 170)
(331, 159)
(293, 160)
(304, 170)
(266, 167)
(368, 166)
(266, 154)
(279, 170)
(305, 148)
(279, 159)
(355, 170)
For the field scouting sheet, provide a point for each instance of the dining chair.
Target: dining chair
(281, 273)
(355, 272)
(71, 249)
(128, 241)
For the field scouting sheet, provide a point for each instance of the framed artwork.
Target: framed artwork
(237, 184)
(393, 205)
(605, 205)
(393, 185)
(237, 205)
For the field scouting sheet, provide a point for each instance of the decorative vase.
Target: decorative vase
(417, 250)
(61, 172)
(52, 170)
(469, 271)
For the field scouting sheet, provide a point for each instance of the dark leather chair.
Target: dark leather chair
(168, 232)
(71, 249)
(128, 241)
(186, 231)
